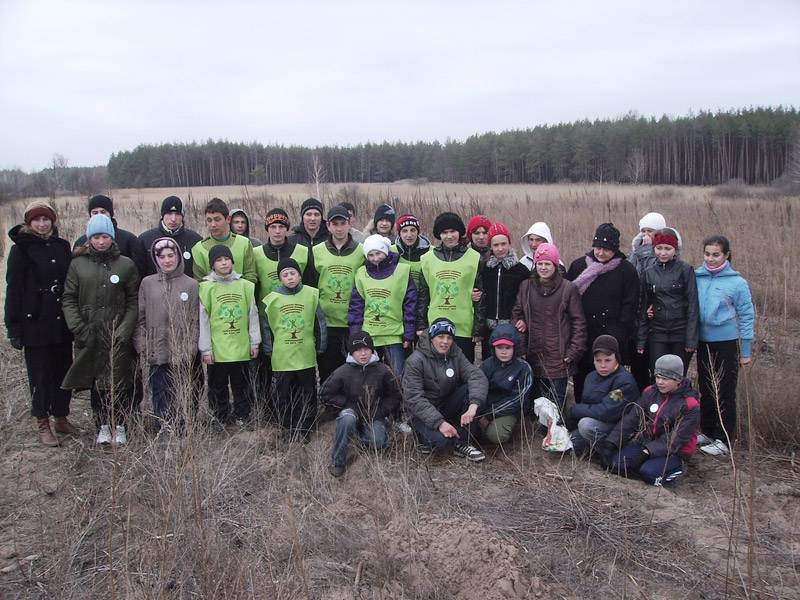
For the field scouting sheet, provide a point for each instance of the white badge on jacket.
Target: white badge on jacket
(654, 407)
(184, 296)
(114, 278)
(187, 255)
(449, 372)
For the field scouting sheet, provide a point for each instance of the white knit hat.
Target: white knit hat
(652, 221)
(377, 242)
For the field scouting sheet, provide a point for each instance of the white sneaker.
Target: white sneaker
(467, 451)
(104, 437)
(716, 448)
(121, 437)
(703, 439)
(403, 428)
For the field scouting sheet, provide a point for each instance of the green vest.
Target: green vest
(336, 276)
(416, 265)
(450, 286)
(238, 244)
(291, 320)
(228, 308)
(267, 269)
(383, 304)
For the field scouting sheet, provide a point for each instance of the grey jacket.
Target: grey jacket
(429, 377)
(169, 308)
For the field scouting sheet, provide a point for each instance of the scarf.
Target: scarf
(509, 261)
(593, 270)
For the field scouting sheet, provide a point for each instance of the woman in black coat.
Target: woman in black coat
(37, 267)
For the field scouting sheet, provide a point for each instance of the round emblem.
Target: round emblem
(654, 408)
(184, 296)
(449, 372)
(114, 278)
(511, 378)
(187, 255)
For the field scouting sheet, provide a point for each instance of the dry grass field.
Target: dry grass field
(243, 515)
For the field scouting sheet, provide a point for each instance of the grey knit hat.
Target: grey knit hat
(669, 366)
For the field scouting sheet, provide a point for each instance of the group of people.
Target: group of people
(385, 330)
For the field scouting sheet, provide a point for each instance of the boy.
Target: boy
(366, 392)
(293, 333)
(312, 229)
(229, 336)
(218, 222)
(607, 391)
(510, 380)
(443, 391)
(663, 422)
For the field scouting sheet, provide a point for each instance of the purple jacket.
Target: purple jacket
(355, 313)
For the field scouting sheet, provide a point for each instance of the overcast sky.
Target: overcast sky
(86, 79)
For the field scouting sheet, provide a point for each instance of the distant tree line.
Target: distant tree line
(752, 145)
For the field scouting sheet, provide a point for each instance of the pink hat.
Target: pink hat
(499, 229)
(546, 251)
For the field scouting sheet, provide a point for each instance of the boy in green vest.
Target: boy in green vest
(218, 222)
(294, 332)
(229, 336)
(334, 269)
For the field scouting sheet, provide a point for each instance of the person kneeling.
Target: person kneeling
(510, 380)
(366, 391)
(443, 391)
(664, 422)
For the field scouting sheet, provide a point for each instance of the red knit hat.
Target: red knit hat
(478, 221)
(39, 209)
(499, 229)
(407, 221)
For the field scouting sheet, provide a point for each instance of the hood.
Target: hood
(637, 241)
(372, 360)
(542, 230)
(22, 234)
(236, 211)
(424, 345)
(178, 271)
(505, 331)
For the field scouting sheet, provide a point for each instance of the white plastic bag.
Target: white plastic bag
(557, 438)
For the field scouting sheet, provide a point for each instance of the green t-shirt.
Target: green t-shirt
(242, 252)
(267, 269)
(291, 321)
(228, 308)
(383, 304)
(336, 277)
(450, 286)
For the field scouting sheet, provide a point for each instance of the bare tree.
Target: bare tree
(635, 165)
(318, 174)
(60, 164)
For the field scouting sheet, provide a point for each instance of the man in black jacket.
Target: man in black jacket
(171, 225)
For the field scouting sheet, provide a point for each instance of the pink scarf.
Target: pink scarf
(593, 270)
(717, 270)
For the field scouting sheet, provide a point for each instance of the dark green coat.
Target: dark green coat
(100, 300)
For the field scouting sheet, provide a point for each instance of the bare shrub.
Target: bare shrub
(735, 188)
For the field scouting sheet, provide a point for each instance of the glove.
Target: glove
(16, 343)
(602, 453)
(635, 462)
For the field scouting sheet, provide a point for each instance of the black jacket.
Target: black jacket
(143, 258)
(671, 289)
(126, 241)
(36, 272)
(501, 283)
(299, 235)
(370, 390)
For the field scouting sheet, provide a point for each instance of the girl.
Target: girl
(726, 330)
(453, 271)
(549, 314)
(37, 267)
(168, 329)
(478, 234)
(502, 275)
(384, 302)
(100, 307)
(668, 312)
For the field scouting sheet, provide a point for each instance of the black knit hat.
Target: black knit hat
(101, 201)
(606, 236)
(360, 339)
(218, 251)
(312, 203)
(448, 220)
(384, 211)
(171, 204)
(276, 215)
(288, 263)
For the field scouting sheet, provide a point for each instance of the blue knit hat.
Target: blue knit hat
(440, 326)
(99, 224)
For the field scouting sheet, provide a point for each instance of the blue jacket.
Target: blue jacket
(726, 307)
(605, 398)
(510, 382)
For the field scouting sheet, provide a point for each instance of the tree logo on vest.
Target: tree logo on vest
(378, 305)
(340, 283)
(230, 314)
(292, 323)
(447, 288)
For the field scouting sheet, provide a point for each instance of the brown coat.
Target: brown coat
(556, 326)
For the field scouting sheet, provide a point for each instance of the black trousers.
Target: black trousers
(717, 375)
(112, 408)
(238, 374)
(295, 398)
(335, 352)
(47, 366)
(658, 349)
(467, 347)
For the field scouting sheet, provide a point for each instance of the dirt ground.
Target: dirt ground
(242, 514)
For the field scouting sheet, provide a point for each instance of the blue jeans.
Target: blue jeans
(349, 425)
(394, 356)
(589, 431)
(656, 471)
